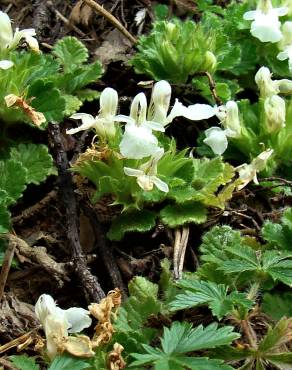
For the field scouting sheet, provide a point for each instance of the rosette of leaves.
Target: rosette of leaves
(194, 184)
(175, 50)
(53, 84)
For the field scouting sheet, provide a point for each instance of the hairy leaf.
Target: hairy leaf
(180, 214)
(36, 160)
(11, 186)
(71, 52)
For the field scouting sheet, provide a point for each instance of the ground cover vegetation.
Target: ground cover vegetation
(145, 188)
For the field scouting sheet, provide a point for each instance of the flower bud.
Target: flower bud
(275, 113)
(266, 85)
(210, 61)
(171, 29)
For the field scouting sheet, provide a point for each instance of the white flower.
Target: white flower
(10, 41)
(159, 106)
(248, 172)
(58, 323)
(146, 174)
(268, 87)
(104, 123)
(6, 64)
(275, 113)
(138, 141)
(216, 138)
(229, 118)
(266, 25)
(286, 44)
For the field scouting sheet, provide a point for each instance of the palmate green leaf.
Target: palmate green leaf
(24, 362)
(70, 52)
(130, 325)
(277, 305)
(208, 293)
(66, 362)
(36, 160)
(47, 99)
(11, 186)
(4, 219)
(182, 338)
(180, 214)
(131, 221)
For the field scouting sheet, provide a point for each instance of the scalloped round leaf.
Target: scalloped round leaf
(180, 214)
(134, 221)
(37, 161)
(71, 52)
(12, 180)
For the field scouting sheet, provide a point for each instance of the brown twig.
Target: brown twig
(249, 333)
(29, 212)
(179, 250)
(279, 179)
(40, 256)
(113, 20)
(212, 86)
(6, 266)
(7, 364)
(105, 251)
(93, 290)
(65, 20)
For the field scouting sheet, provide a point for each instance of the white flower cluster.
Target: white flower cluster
(266, 27)
(9, 41)
(139, 139)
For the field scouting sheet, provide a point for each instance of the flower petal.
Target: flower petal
(6, 34)
(88, 121)
(283, 55)
(197, 112)
(161, 185)
(6, 64)
(249, 16)
(133, 172)
(216, 139)
(108, 102)
(44, 306)
(78, 319)
(138, 142)
(151, 125)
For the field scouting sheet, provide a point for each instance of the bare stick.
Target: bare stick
(176, 252)
(113, 20)
(183, 247)
(93, 290)
(212, 86)
(65, 20)
(6, 266)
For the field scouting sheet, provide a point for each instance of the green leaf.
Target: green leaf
(66, 362)
(208, 293)
(48, 100)
(277, 305)
(11, 186)
(4, 219)
(276, 336)
(279, 234)
(180, 214)
(181, 338)
(87, 95)
(72, 104)
(139, 221)
(71, 52)
(36, 160)
(24, 362)
(142, 288)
